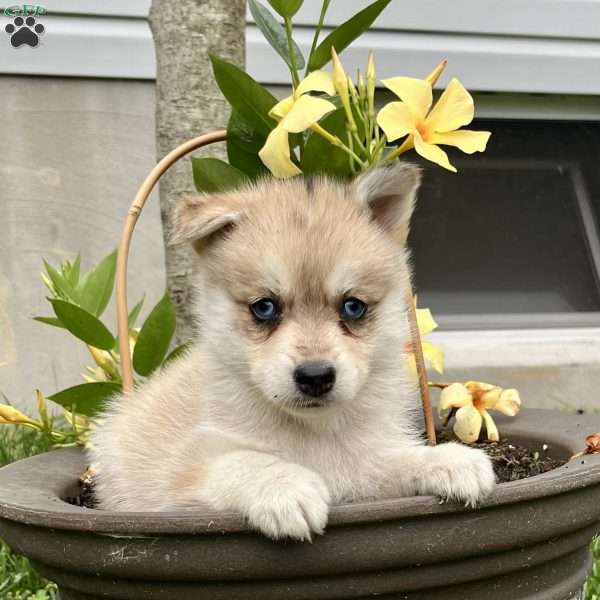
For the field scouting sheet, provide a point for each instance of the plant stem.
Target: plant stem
(377, 150)
(438, 384)
(313, 47)
(350, 158)
(335, 141)
(406, 145)
(360, 142)
(294, 68)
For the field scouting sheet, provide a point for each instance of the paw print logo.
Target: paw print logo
(24, 31)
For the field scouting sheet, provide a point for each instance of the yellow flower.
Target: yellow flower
(433, 354)
(428, 127)
(296, 113)
(473, 400)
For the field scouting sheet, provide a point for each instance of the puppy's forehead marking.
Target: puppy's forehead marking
(309, 184)
(274, 274)
(341, 279)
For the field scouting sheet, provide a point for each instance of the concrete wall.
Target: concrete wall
(72, 154)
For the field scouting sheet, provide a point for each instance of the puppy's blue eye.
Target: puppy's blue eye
(353, 309)
(265, 309)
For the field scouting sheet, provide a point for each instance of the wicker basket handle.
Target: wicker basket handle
(123, 254)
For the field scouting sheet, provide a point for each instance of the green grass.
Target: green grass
(592, 591)
(18, 580)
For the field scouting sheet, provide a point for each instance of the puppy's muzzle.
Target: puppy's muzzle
(315, 378)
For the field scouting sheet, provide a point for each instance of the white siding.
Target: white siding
(537, 46)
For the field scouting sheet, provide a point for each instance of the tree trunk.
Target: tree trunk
(189, 103)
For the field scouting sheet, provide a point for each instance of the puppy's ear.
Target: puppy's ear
(197, 218)
(389, 192)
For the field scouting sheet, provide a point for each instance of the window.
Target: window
(513, 241)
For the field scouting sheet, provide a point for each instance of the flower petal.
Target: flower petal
(455, 395)
(490, 427)
(434, 355)
(465, 140)
(426, 322)
(282, 108)
(317, 81)
(307, 111)
(468, 424)
(275, 154)
(454, 109)
(485, 395)
(396, 120)
(416, 93)
(432, 153)
(509, 402)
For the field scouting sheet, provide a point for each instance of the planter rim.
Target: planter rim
(31, 489)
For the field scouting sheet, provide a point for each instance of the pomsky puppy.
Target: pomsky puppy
(296, 394)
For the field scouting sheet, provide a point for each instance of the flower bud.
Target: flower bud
(435, 74)
(371, 82)
(11, 415)
(340, 81)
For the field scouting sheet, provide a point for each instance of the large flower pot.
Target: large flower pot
(529, 540)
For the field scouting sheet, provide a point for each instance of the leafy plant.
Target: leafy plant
(329, 123)
(78, 302)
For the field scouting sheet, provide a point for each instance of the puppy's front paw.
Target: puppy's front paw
(293, 506)
(459, 473)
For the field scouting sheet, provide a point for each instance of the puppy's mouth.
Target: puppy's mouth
(307, 402)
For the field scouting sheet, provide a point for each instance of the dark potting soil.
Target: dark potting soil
(511, 462)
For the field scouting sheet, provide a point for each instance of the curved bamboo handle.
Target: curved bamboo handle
(123, 254)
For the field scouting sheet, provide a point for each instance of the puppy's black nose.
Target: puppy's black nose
(315, 378)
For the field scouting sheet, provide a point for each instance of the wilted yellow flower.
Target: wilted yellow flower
(296, 113)
(473, 400)
(428, 127)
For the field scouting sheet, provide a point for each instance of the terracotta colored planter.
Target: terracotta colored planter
(528, 541)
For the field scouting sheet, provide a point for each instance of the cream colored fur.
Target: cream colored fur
(223, 426)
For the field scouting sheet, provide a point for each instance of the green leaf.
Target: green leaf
(154, 337)
(341, 37)
(243, 146)
(50, 321)
(286, 8)
(214, 175)
(176, 353)
(83, 325)
(275, 34)
(88, 398)
(97, 285)
(72, 274)
(320, 156)
(61, 284)
(245, 95)
(135, 312)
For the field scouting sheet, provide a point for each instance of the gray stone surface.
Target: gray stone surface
(72, 153)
